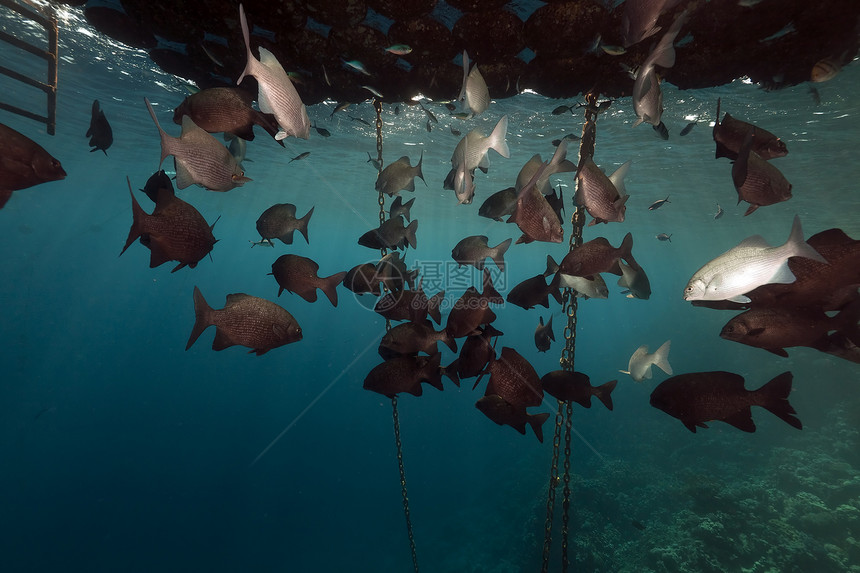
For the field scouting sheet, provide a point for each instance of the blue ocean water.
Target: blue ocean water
(123, 452)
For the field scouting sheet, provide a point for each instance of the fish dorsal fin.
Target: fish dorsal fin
(269, 60)
(190, 130)
(754, 242)
(236, 298)
(289, 209)
(617, 177)
(741, 420)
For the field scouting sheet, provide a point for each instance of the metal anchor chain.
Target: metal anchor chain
(564, 415)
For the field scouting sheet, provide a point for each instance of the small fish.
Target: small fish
(639, 366)
(455, 132)
(24, 163)
(825, 70)
(701, 397)
(664, 237)
(450, 106)
(568, 137)
(562, 109)
(358, 119)
(474, 94)
(750, 264)
(719, 212)
(297, 274)
(374, 91)
(816, 97)
(396, 110)
(504, 413)
(661, 130)
(430, 115)
(99, 132)
(567, 386)
(658, 203)
(246, 321)
(429, 126)
(300, 156)
(356, 66)
(544, 336)
(400, 176)
(474, 251)
(688, 128)
(399, 208)
(262, 243)
(340, 107)
(321, 130)
(279, 222)
(633, 522)
(612, 49)
(375, 162)
(461, 115)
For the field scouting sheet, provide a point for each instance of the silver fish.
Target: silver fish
(749, 265)
(639, 366)
(639, 20)
(399, 176)
(647, 96)
(658, 203)
(474, 93)
(277, 94)
(584, 287)
(719, 212)
(664, 237)
(635, 281)
(200, 158)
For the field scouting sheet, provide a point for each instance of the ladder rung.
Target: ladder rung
(24, 112)
(47, 88)
(25, 46)
(32, 15)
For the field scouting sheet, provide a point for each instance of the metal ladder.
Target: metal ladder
(45, 17)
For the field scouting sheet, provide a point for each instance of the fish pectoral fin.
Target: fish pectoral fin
(739, 298)
(741, 420)
(778, 351)
(755, 331)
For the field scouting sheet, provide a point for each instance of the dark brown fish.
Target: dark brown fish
(279, 222)
(603, 196)
(155, 183)
(556, 202)
(405, 374)
(514, 379)
(475, 355)
(24, 163)
(298, 275)
(504, 413)
(225, 109)
(499, 204)
(410, 305)
(392, 272)
(730, 133)
(472, 309)
(776, 329)
(391, 234)
(245, 320)
(758, 182)
(534, 215)
(398, 207)
(175, 231)
(362, 279)
(576, 387)
(474, 251)
(701, 397)
(593, 257)
(99, 132)
(544, 336)
(532, 292)
(415, 337)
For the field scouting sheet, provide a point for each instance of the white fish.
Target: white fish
(585, 288)
(474, 93)
(277, 94)
(640, 363)
(647, 95)
(200, 158)
(749, 265)
(472, 150)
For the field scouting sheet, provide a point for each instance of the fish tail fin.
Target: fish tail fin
(410, 234)
(604, 393)
(433, 304)
(451, 343)
(497, 138)
(798, 246)
(773, 397)
(165, 141)
(536, 421)
(451, 372)
(303, 224)
(661, 358)
(617, 178)
(248, 71)
(549, 327)
(433, 371)
(490, 293)
(329, 286)
(202, 317)
(498, 254)
(551, 266)
(138, 216)
(418, 167)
